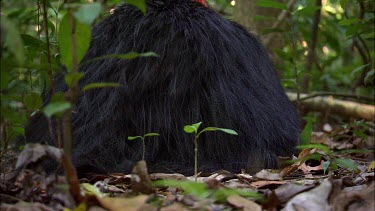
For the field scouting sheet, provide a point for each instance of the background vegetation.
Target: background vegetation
(320, 47)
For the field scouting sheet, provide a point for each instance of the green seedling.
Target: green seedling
(143, 141)
(194, 129)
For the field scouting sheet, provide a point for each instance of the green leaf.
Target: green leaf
(133, 55)
(358, 69)
(100, 85)
(92, 189)
(140, 4)
(128, 56)
(229, 131)
(307, 131)
(58, 97)
(130, 138)
(72, 78)
(346, 163)
(272, 4)
(264, 18)
(307, 11)
(83, 37)
(349, 21)
(87, 13)
(189, 129)
(369, 79)
(33, 101)
(196, 189)
(325, 166)
(56, 108)
(12, 39)
(152, 134)
(316, 146)
(343, 3)
(196, 126)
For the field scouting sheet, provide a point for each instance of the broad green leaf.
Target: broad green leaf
(56, 108)
(72, 78)
(12, 38)
(91, 189)
(58, 97)
(316, 146)
(196, 189)
(196, 126)
(307, 11)
(347, 163)
(140, 4)
(100, 85)
(130, 138)
(307, 131)
(348, 22)
(87, 13)
(82, 36)
(29, 40)
(326, 165)
(229, 131)
(33, 101)
(189, 129)
(18, 130)
(271, 4)
(152, 134)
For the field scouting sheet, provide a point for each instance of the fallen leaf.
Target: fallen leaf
(287, 191)
(315, 199)
(307, 169)
(128, 204)
(371, 167)
(268, 175)
(175, 207)
(261, 184)
(241, 203)
(34, 152)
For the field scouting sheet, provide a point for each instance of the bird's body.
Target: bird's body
(208, 69)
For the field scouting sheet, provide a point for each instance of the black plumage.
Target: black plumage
(209, 69)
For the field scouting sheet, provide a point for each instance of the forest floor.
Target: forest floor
(334, 172)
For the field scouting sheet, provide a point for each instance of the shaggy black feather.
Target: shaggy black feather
(209, 69)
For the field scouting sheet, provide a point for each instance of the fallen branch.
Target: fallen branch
(336, 106)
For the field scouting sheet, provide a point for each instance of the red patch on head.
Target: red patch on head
(203, 2)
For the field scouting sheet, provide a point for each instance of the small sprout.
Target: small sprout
(194, 129)
(130, 138)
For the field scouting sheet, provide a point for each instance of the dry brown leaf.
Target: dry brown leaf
(371, 167)
(118, 204)
(260, 184)
(268, 175)
(307, 169)
(315, 199)
(241, 203)
(287, 191)
(175, 207)
(156, 176)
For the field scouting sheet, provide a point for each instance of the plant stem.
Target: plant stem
(143, 148)
(196, 158)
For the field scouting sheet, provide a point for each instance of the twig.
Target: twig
(280, 18)
(312, 45)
